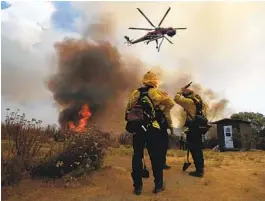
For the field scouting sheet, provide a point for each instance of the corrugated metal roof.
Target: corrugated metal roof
(227, 119)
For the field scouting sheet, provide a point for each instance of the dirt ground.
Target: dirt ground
(230, 176)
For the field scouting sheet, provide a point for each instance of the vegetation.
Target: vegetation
(257, 119)
(257, 124)
(31, 149)
(125, 139)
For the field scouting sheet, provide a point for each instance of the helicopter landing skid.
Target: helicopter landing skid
(158, 47)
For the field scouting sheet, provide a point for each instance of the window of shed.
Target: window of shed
(228, 130)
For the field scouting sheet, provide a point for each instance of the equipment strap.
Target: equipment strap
(198, 110)
(144, 92)
(198, 105)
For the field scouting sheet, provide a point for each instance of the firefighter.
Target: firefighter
(184, 141)
(166, 130)
(150, 137)
(193, 105)
(166, 146)
(185, 144)
(181, 143)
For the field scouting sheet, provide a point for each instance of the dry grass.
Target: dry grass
(28, 148)
(230, 176)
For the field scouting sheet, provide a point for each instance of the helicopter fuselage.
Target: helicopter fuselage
(157, 34)
(163, 31)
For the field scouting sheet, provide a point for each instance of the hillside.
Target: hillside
(230, 176)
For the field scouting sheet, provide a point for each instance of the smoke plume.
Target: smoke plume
(93, 74)
(172, 82)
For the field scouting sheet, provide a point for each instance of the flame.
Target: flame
(86, 114)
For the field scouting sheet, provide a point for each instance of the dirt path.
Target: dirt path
(225, 180)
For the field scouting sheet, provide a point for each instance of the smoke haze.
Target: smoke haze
(222, 52)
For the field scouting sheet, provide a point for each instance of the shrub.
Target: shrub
(84, 154)
(24, 145)
(29, 147)
(125, 139)
(23, 139)
(12, 171)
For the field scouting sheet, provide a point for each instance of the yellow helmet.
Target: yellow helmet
(150, 79)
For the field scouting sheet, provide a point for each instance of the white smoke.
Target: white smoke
(223, 48)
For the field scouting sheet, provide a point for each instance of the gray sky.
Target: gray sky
(223, 48)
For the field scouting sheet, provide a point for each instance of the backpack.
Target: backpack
(199, 121)
(142, 114)
(161, 119)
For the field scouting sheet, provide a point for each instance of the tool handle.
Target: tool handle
(144, 163)
(187, 86)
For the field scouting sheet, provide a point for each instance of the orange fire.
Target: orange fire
(86, 114)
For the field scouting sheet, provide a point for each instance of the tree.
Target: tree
(257, 122)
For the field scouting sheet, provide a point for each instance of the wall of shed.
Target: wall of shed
(261, 144)
(245, 131)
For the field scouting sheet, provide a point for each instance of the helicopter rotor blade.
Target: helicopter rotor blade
(180, 28)
(145, 29)
(146, 17)
(164, 17)
(168, 40)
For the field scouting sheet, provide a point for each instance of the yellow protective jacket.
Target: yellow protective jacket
(188, 104)
(159, 98)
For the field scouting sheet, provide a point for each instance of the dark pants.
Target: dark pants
(152, 140)
(195, 146)
(185, 145)
(181, 145)
(164, 143)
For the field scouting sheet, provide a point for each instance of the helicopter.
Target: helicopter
(155, 33)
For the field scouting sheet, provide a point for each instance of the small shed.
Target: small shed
(230, 132)
(261, 141)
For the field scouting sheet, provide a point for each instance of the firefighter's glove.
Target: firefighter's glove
(170, 131)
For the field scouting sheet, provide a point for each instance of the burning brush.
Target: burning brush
(75, 117)
(85, 114)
